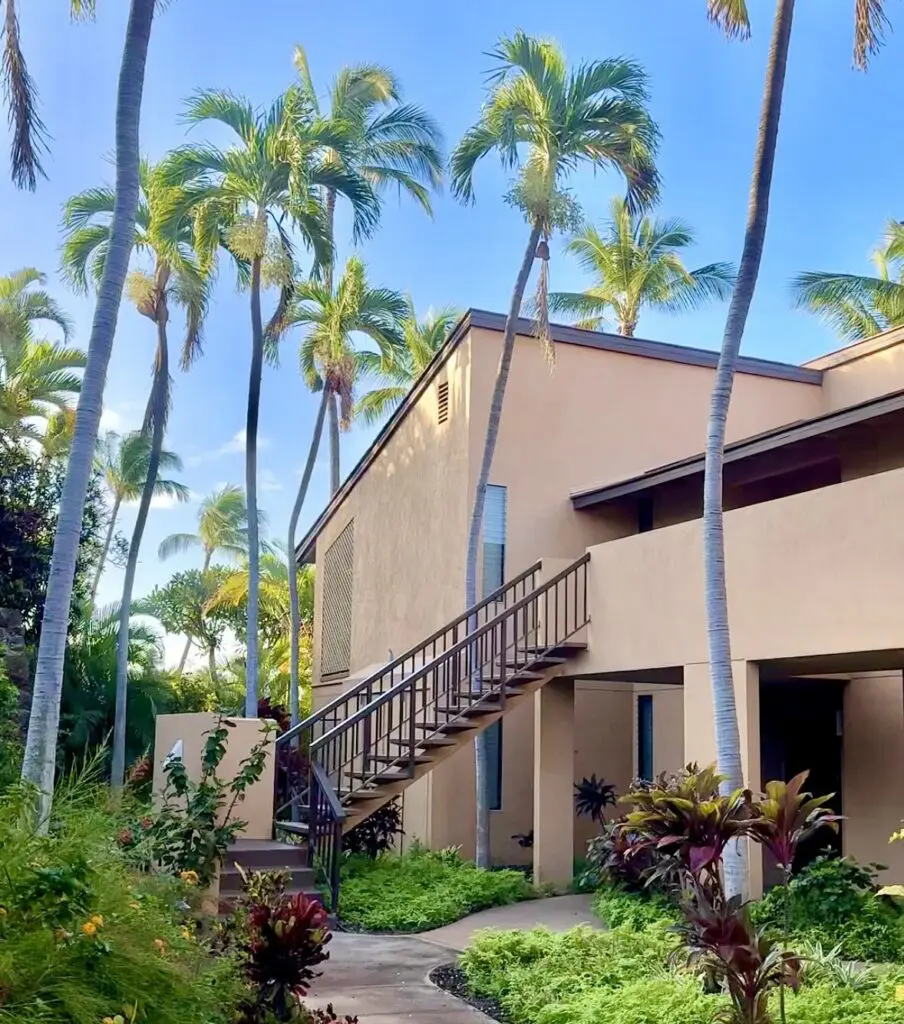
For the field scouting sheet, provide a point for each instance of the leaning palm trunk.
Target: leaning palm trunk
(254, 401)
(489, 449)
(114, 515)
(180, 668)
(728, 744)
(335, 472)
(43, 725)
(294, 615)
(156, 414)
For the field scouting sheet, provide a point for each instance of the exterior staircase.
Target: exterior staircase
(370, 743)
(265, 855)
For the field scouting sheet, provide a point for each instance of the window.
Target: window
(442, 401)
(645, 737)
(494, 539)
(494, 765)
(338, 578)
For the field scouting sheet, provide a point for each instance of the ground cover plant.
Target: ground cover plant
(422, 889)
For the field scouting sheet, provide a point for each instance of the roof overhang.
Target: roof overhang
(758, 444)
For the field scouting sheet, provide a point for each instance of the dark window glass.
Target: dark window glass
(645, 737)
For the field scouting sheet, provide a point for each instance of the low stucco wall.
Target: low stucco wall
(812, 574)
(257, 807)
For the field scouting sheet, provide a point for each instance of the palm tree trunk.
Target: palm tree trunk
(728, 744)
(212, 664)
(489, 449)
(335, 474)
(180, 668)
(330, 214)
(40, 751)
(114, 513)
(254, 401)
(294, 615)
(157, 410)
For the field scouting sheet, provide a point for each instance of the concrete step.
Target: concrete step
(263, 854)
(300, 880)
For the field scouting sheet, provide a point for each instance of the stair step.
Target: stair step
(474, 711)
(395, 758)
(429, 741)
(262, 854)
(510, 691)
(361, 794)
(379, 778)
(441, 727)
(300, 880)
(295, 828)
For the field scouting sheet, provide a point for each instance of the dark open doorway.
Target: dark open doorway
(801, 730)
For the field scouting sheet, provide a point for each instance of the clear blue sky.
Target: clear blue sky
(837, 180)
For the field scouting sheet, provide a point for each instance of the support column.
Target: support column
(700, 734)
(554, 783)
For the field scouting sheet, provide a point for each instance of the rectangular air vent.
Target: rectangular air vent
(442, 401)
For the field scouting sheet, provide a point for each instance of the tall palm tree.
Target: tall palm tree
(38, 763)
(163, 235)
(732, 17)
(636, 262)
(330, 364)
(421, 340)
(22, 306)
(856, 306)
(124, 461)
(388, 143)
(546, 120)
(246, 197)
(20, 96)
(222, 529)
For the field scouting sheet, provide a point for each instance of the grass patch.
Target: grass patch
(422, 889)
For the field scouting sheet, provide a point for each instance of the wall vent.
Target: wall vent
(442, 401)
(338, 585)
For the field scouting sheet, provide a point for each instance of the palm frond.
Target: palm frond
(177, 544)
(731, 16)
(870, 23)
(220, 105)
(29, 139)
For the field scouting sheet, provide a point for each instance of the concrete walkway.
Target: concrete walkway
(383, 978)
(557, 913)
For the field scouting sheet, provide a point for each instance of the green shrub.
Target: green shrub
(422, 889)
(81, 938)
(618, 907)
(825, 1004)
(528, 972)
(666, 1000)
(833, 901)
(10, 743)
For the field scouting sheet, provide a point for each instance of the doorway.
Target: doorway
(801, 729)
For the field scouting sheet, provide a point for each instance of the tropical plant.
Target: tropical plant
(195, 824)
(377, 833)
(853, 305)
(274, 174)
(88, 701)
(163, 233)
(124, 462)
(591, 798)
(732, 17)
(37, 377)
(636, 262)
(330, 364)
(556, 119)
(222, 530)
(421, 340)
(40, 749)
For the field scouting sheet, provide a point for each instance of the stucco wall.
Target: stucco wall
(814, 573)
(410, 513)
(859, 372)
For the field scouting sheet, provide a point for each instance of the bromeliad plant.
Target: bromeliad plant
(684, 828)
(195, 825)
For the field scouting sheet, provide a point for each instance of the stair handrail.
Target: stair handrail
(325, 828)
(391, 667)
(468, 641)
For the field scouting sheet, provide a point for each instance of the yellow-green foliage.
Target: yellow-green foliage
(83, 939)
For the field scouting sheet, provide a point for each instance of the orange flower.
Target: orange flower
(98, 920)
(189, 877)
(89, 928)
(160, 945)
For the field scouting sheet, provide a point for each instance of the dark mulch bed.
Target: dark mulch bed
(451, 978)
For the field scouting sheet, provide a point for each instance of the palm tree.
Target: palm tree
(636, 262)
(732, 17)
(390, 144)
(36, 379)
(855, 306)
(556, 119)
(222, 529)
(330, 364)
(163, 232)
(38, 763)
(30, 138)
(273, 177)
(36, 376)
(421, 340)
(124, 461)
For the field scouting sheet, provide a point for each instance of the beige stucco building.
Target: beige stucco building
(602, 455)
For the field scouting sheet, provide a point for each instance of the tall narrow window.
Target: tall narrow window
(494, 766)
(494, 539)
(645, 737)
